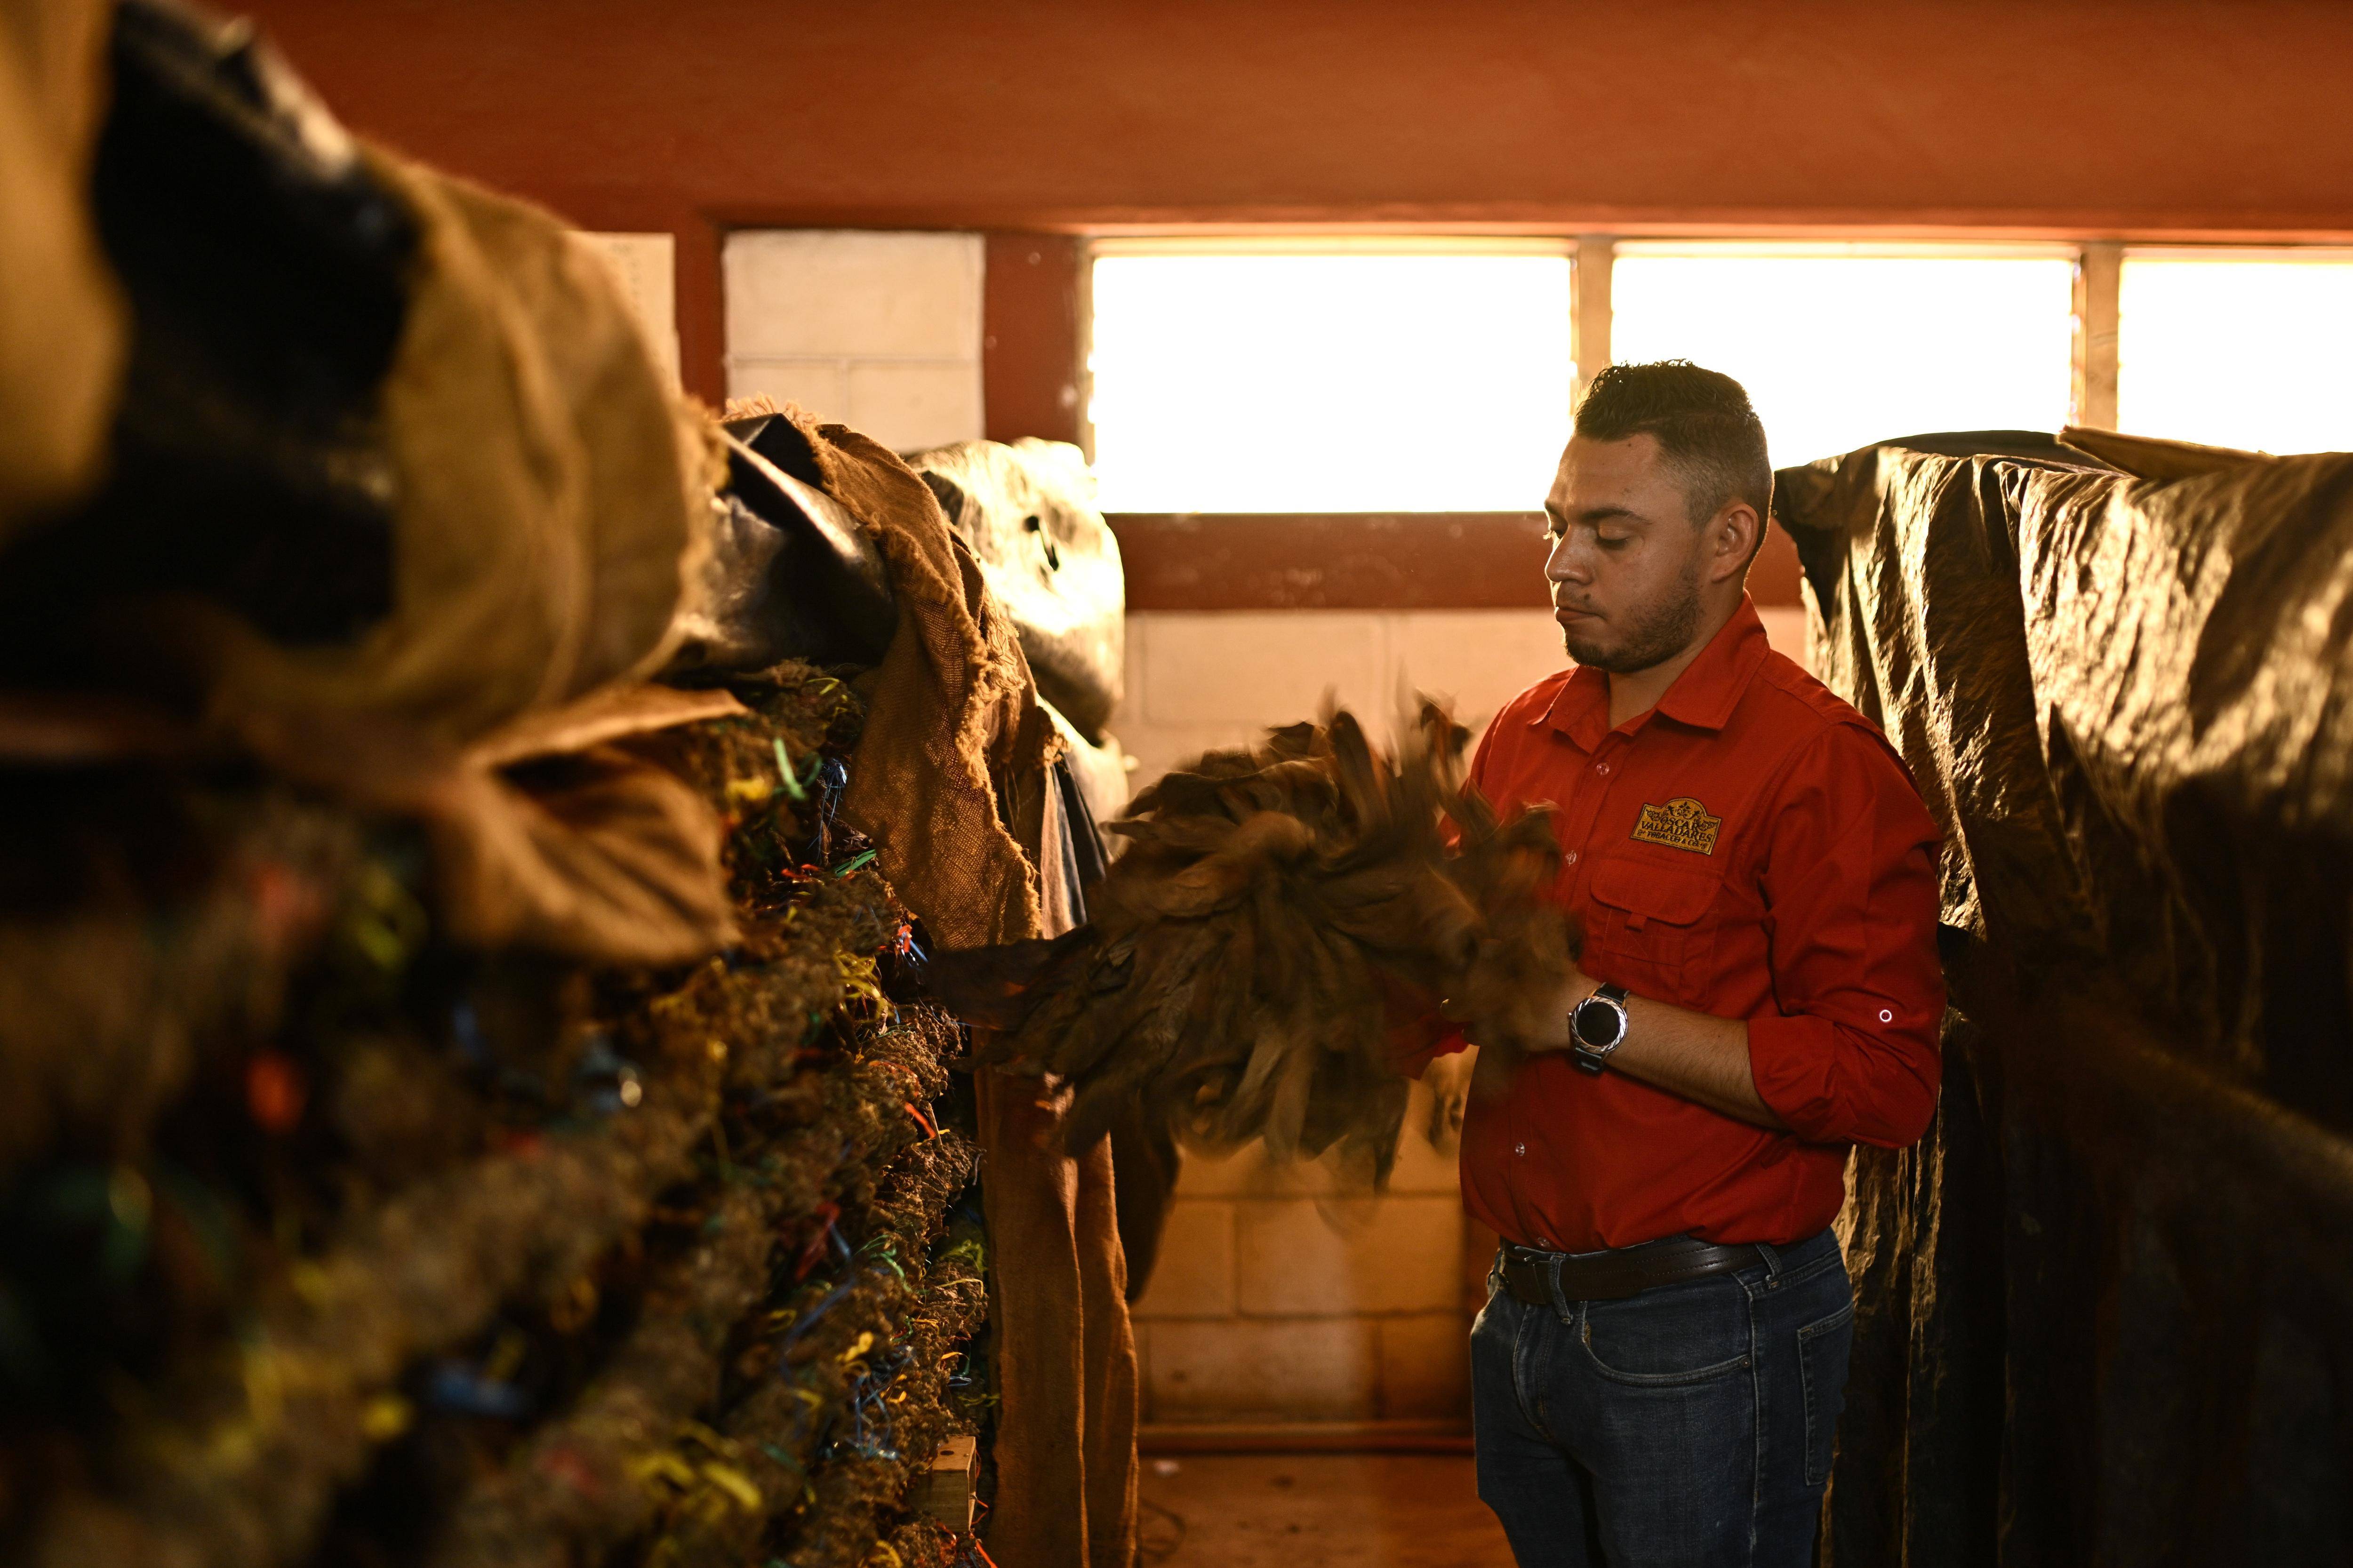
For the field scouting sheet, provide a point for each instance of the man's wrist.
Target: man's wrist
(1597, 1026)
(1575, 988)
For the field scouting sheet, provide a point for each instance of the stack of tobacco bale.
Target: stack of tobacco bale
(466, 1099)
(359, 1247)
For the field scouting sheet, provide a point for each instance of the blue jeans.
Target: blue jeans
(1687, 1426)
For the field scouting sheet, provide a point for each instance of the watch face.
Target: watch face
(1597, 1023)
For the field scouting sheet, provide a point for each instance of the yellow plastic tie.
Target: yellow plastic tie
(733, 1482)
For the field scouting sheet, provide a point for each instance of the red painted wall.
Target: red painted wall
(2129, 117)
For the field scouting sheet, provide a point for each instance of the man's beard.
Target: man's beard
(1655, 635)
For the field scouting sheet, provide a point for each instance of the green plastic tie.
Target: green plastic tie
(854, 862)
(784, 770)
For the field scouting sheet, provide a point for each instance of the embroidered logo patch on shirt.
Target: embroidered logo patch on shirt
(1682, 823)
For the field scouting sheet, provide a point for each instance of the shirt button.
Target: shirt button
(1886, 1017)
(1601, 768)
(1570, 858)
(1520, 1149)
(1544, 1241)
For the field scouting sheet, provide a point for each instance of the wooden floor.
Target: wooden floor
(1317, 1511)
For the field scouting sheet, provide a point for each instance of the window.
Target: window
(2237, 348)
(1370, 378)
(1841, 345)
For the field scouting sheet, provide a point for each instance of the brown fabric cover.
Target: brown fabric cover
(952, 713)
(61, 319)
(955, 745)
(2150, 458)
(2128, 699)
(547, 833)
(551, 498)
(554, 497)
(2100, 1310)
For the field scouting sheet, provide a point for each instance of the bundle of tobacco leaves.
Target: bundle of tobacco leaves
(1280, 917)
(337, 1243)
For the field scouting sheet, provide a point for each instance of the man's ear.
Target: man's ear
(1732, 540)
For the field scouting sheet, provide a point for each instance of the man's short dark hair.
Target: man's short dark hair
(1705, 425)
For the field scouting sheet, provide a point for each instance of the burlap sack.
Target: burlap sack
(553, 498)
(552, 492)
(955, 746)
(954, 713)
(62, 321)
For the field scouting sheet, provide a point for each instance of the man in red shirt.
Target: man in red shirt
(1658, 1372)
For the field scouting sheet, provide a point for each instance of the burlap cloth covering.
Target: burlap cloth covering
(61, 330)
(552, 496)
(953, 729)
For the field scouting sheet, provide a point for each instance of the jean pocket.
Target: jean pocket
(1822, 1352)
(1684, 1334)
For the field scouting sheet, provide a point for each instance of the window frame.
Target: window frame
(1434, 560)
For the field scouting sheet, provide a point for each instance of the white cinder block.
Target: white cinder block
(1238, 1369)
(820, 386)
(1157, 748)
(1422, 1166)
(1249, 1173)
(853, 293)
(647, 265)
(1251, 668)
(1425, 1367)
(908, 407)
(1422, 1169)
(1480, 658)
(1342, 1257)
(1193, 1276)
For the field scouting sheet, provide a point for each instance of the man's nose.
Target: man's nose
(1566, 562)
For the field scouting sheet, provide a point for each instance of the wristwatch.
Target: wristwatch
(1596, 1027)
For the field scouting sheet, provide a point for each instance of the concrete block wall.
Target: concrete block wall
(1215, 678)
(1282, 1295)
(879, 330)
(647, 267)
(1286, 1294)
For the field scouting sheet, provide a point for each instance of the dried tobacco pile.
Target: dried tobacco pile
(1278, 910)
(339, 1243)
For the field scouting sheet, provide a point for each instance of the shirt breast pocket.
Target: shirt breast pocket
(1651, 921)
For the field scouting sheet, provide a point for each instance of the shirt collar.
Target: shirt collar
(1703, 696)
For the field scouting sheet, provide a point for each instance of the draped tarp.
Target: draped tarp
(1027, 511)
(2100, 1309)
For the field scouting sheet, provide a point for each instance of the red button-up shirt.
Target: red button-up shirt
(1751, 848)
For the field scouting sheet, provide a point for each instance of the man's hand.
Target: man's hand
(1574, 986)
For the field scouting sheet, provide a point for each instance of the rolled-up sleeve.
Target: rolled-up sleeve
(1850, 883)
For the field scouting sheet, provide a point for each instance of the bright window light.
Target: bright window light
(1839, 347)
(1354, 382)
(2246, 350)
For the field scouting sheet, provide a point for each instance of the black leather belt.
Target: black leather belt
(1620, 1271)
